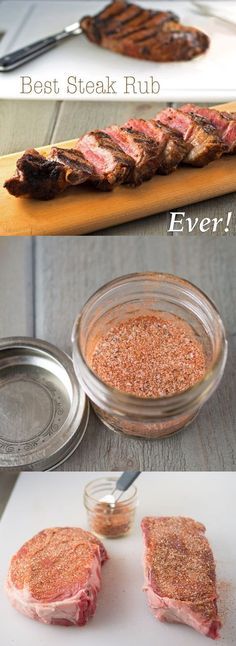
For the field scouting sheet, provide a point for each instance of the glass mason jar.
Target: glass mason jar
(105, 519)
(134, 295)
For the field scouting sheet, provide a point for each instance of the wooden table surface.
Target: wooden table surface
(25, 124)
(54, 278)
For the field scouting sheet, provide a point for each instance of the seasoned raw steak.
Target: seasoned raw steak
(206, 145)
(180, 575)
(142, 33)
(55, 576)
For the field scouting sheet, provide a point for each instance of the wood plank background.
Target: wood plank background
(65, 272)
(49, 122)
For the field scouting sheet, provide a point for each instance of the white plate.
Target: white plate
(122, 617)
(210, 77)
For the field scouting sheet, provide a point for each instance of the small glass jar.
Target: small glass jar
(104, 519)
(134, 295)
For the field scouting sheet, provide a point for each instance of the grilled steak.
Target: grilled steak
(43, 178)
(128, 154)
(142, 33)
(144, 151)
(55, 576)
(171, 146)
(223, 122)
(180, 575)
(112, 165)
(77, 168)
(206, 145)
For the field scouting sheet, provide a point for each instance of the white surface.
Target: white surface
(122, 617)
(210, 77)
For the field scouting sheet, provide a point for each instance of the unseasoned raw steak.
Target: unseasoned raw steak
(180, 575)
(55, 576)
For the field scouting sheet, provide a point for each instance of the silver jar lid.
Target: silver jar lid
(43, 410)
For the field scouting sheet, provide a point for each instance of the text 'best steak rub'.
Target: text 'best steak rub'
(180, 578)
(128, 154)
(143, 33)
(55, 577)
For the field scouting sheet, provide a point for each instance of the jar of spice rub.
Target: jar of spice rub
(149, 349)
(105, 519)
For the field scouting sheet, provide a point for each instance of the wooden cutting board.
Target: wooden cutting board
(83, 210)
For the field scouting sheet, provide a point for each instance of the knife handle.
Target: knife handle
(20, 56)
(126, 480)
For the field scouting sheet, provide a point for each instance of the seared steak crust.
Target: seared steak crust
(127, 154)
(143, 33)
(180, 573)
(143, 150)
(206, 145)
(224, 123)
(112, 165)
(77, 167)
(37, 177)
(172, 148)
(43, 178)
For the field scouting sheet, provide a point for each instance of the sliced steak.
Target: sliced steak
(172, 148)
(206, 145)
(77, 168)
(180, 575)
(143, 33)
(55, 577)
(37, 177)
(144, 151)
(43, 178)
(111, 163)
(223, 123)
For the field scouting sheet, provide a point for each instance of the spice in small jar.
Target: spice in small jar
(112, 520)
(152, 355)
(149, 350)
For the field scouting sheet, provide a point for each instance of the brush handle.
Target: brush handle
(126, 480)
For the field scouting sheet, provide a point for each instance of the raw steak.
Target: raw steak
(180, 575)
(55, 576)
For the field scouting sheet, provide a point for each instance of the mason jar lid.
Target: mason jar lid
(43, 410)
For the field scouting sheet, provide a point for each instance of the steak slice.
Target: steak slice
(43, 178)
(111, 163)
(223, 122)
(55, 576)
(206, 145)
(143, 33)
(172, 148)
(180, 575)
(144, 151)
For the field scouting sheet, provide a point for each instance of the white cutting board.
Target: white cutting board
(123, 617)
(210, 77)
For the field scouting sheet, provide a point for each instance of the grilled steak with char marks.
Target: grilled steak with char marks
(223, 122)
(172, 148)
(112, 165)
(143, 33)
(55, 577)
(144, 151)
(180, 577)
(43, 178)
(206, 145)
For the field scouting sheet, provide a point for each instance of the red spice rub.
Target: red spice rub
(152, 355)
